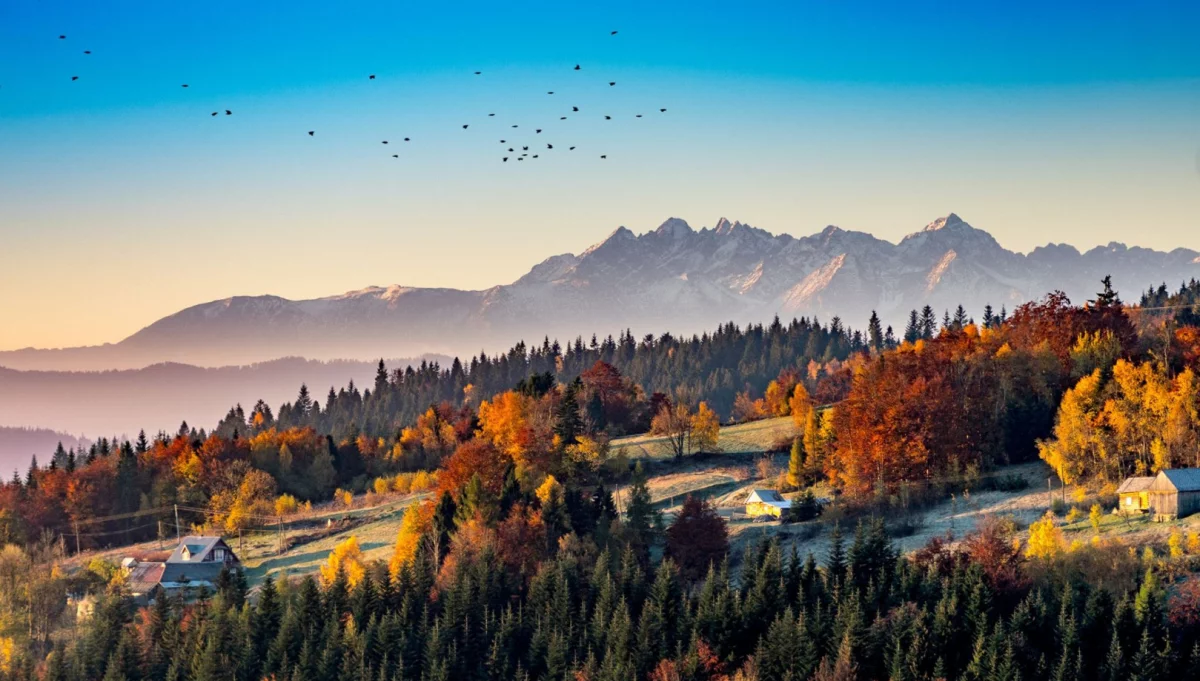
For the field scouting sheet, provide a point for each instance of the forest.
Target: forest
(520, 566)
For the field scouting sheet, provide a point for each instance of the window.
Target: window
(219, 554)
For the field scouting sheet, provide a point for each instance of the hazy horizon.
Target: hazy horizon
(124, 201)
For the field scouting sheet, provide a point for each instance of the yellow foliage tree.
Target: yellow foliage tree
(418, 518)
(1094, 516)
(286, 504)
(706, 429)
(1045, 539)
(1078, 443)
(801, 406)
(346, 558)
(549, 489)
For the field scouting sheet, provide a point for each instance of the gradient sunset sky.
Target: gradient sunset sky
(122, 200)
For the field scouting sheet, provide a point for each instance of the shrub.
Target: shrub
(286, 504)
(1074, 514)
(382, 486)
(1058, 506)
(805, 507)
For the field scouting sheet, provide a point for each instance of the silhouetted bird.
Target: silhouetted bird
(577, 67)
(311, 132)
(385, 141)
(87, 51)
(514, 126)
(612, 83)
(510, 150)
(371, 77)
(406, 139)
(575, 109)
(535, 155)
(539, 131)
(603, 156)
(395, 155)
(464, 127)
(503, 142)
(551, 92)
(613, 33)
(74, 77)
(520, 159)
(214, 113)
(608, 118)
(62, 37)
(571, 149)
(184, 85)
(479, 73)
(491, 114)
(549, 146)
(563, 118)
(524, 148)
(638, 116)
(228, 112)
(506, 159)
(662, 110)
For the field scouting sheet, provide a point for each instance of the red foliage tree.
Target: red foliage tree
(697, 538)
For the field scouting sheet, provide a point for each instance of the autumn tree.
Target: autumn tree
(697, 538)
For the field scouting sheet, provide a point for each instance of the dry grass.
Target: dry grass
(744, 438)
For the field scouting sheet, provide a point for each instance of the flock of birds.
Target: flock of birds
(511, 151)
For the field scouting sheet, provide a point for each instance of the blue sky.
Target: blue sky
(1077, 122)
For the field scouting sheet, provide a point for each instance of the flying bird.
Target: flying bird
(74, 78)
(228, 112)
(613, 33)
(520, 159)
(608, 118)
(549, 146)
(87, 51)
(310, 133)
(514, 126)
(62, 37)
(510, 150)
(385, 141)
(575, 109)
(371, 77)
(464, 127)
(406, 139)
(491, 114)
(524, 148)
(503, 142)
(577, 67)
(563, 118)
(184, 85)
(535, 155)
(612, 83)
(395, 155)
(638, 116)
(662, 110)
(506, 159)
(571, 149)
(603, 156)
(539, 131)
(214, 113)
(550, 92)
(479, 73)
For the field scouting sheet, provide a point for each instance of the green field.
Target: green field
(744, 438)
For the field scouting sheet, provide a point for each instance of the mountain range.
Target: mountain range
(671, 278)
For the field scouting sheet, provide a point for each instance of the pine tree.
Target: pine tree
(928, 323)
(912, 331)
(796, 463)
(875, 332)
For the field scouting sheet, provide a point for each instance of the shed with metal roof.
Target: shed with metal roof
(1175, 493)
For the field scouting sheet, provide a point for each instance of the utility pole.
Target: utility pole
(77, 536)
(177, 537)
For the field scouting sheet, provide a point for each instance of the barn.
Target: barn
(1175, 493)
(1134, 495)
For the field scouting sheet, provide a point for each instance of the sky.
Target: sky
(122, 200)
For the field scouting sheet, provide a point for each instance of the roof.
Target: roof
(1178, 480)
(197, 546)
(1131, 485)
(765, 496)
(189, 573)
(145, 576)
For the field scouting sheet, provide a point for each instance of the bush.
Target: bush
(1009, 483)
(805, 507)
(286, 504)
(1058, 506)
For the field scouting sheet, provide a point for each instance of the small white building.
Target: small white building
(767, 502)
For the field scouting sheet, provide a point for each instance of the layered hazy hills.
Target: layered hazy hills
(672, 278)
(119, 403)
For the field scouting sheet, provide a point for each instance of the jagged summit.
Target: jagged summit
(672, 278)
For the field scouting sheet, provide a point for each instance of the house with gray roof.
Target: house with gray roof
(193, 567)
(1175, 493)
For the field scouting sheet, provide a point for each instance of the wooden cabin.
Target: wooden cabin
(1175, 493)
(767, 503)
(1133, 496)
